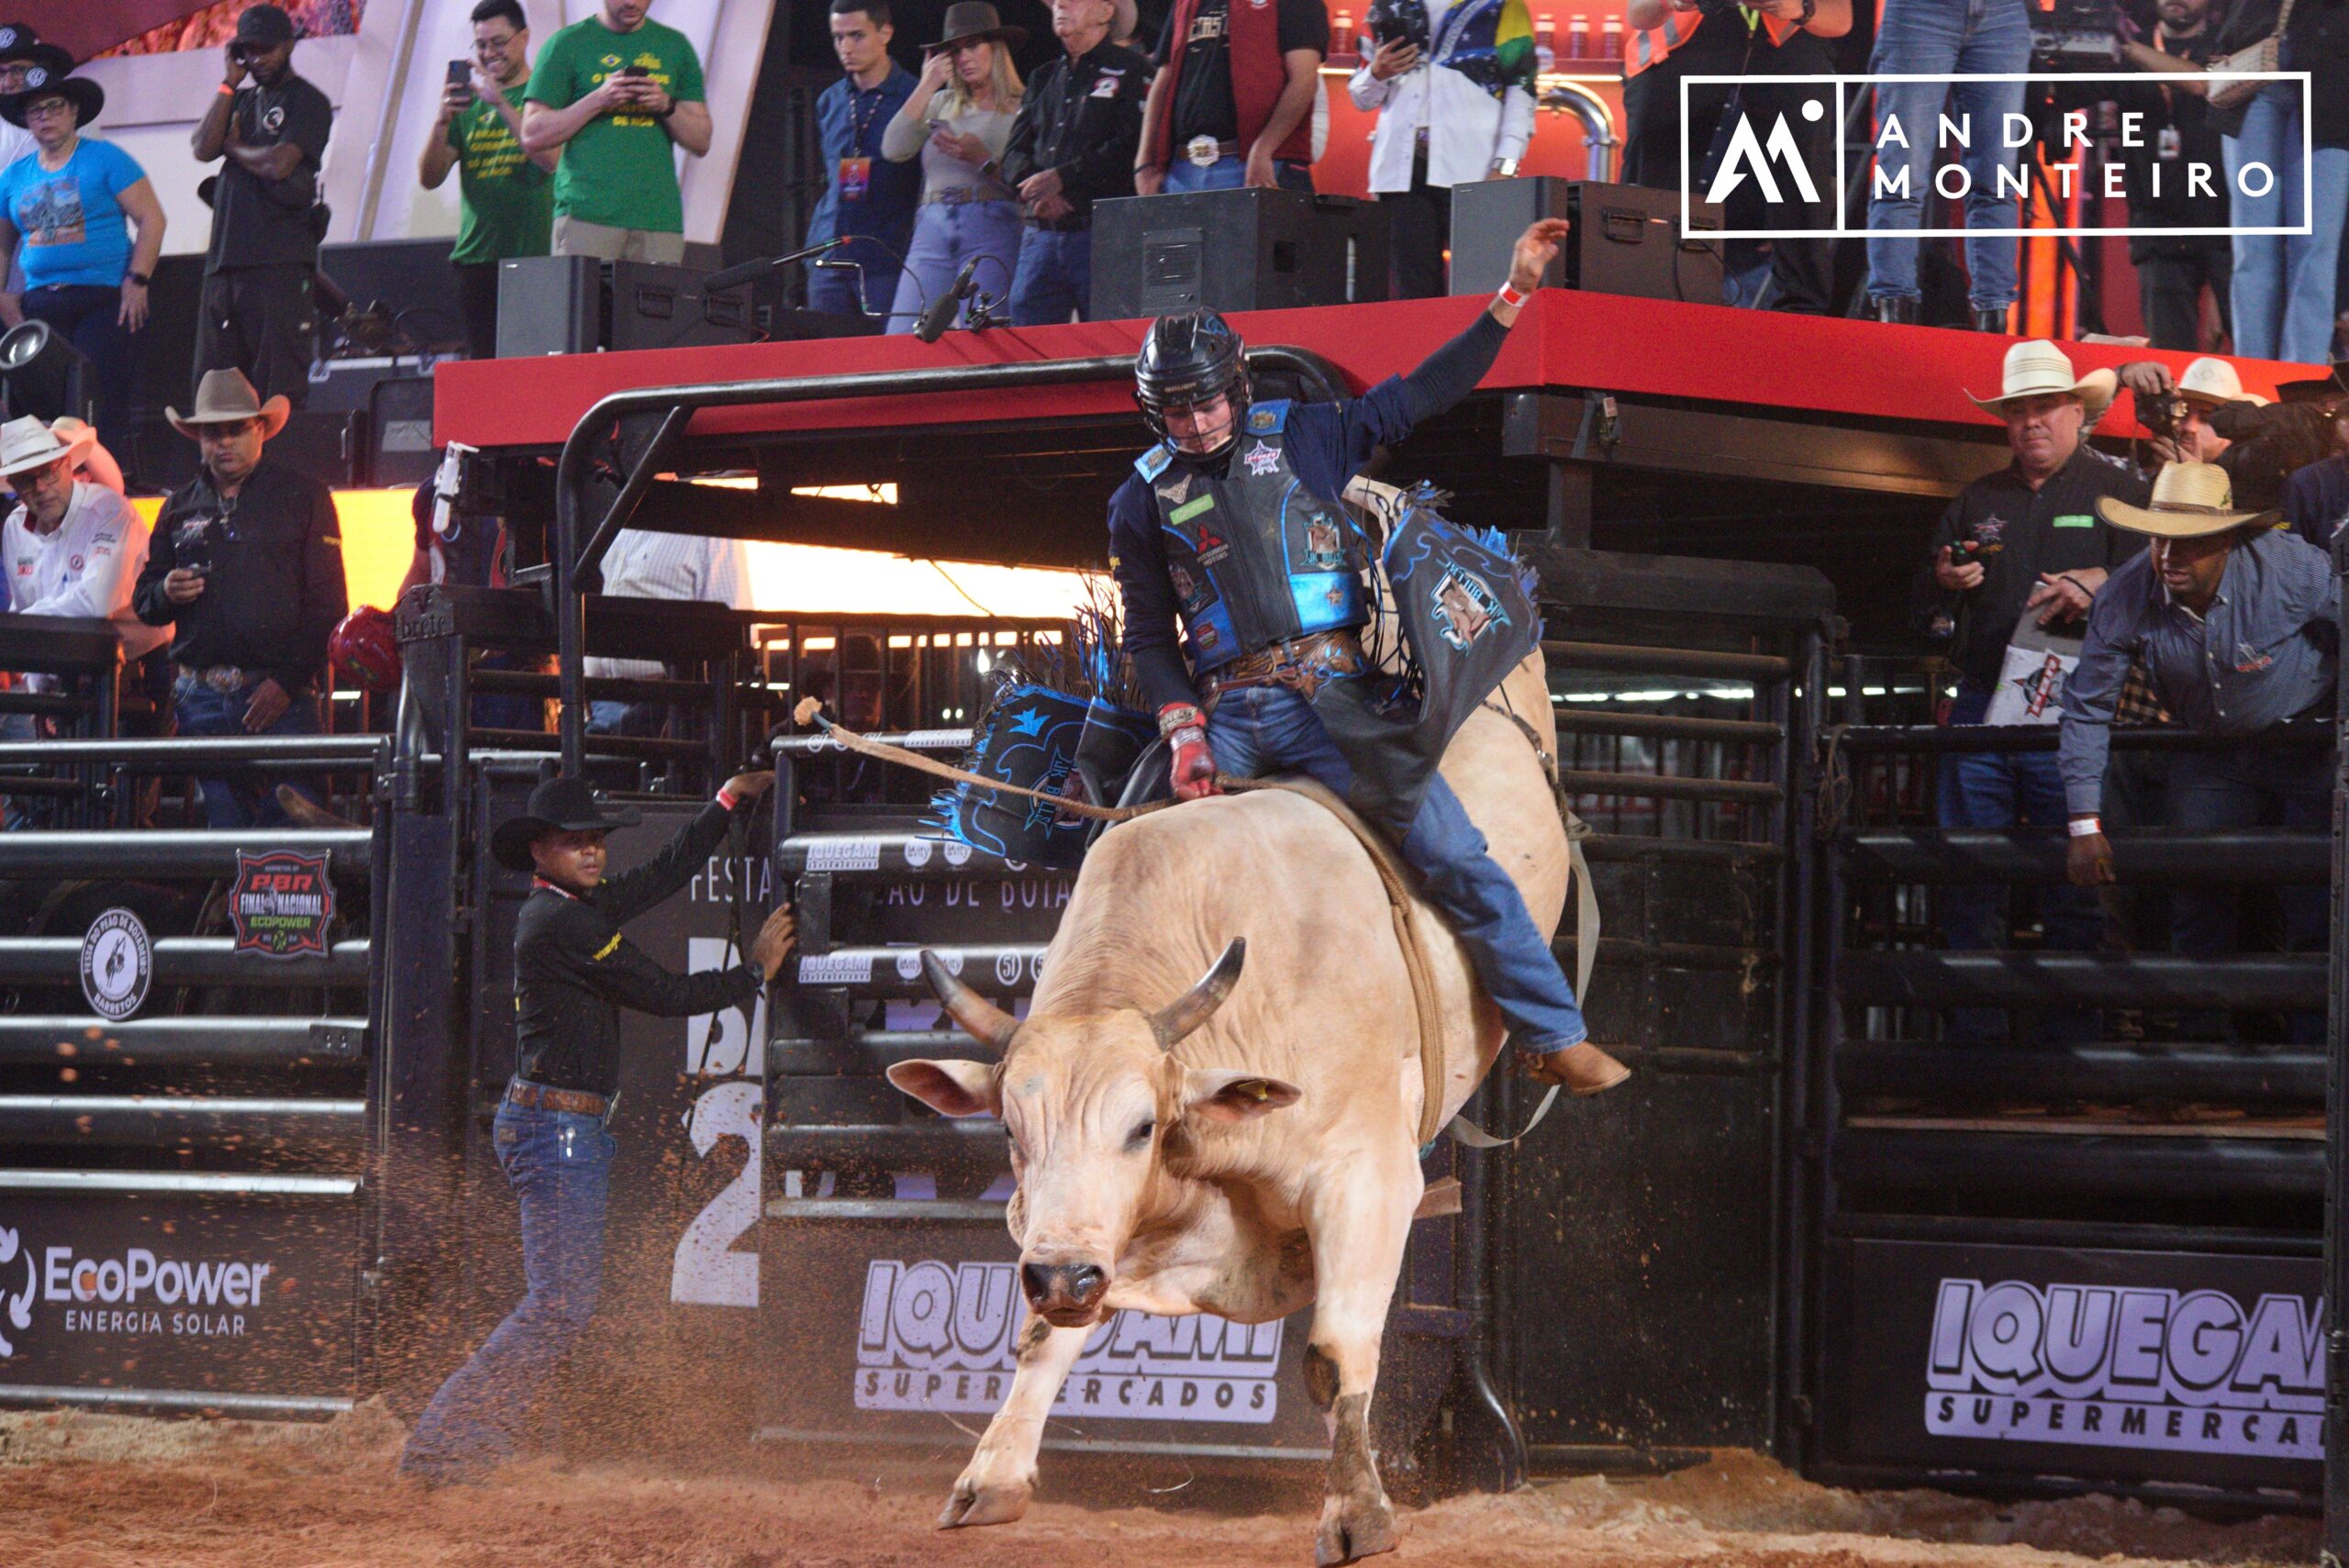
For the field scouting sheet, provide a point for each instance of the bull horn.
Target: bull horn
(1197, 1005)
(980, 1018)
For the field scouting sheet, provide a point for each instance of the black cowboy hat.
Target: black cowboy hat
(2316, 389)
(86, 96)
(18, 42)
(558, 806)
(975, 19)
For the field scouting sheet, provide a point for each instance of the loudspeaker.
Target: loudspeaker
(550, 304)
(576, 305)
(663, 308)
(1244, 250)
(1626, 239)
(399, 432)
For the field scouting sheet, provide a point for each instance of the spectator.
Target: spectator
(2021, 541)
(867, 199)
(1233, 101)
(2284, 284)
(2316, 495)
(20, 51)
(257, 315)
(642, 564)
(617, 94)
(2179, 412)
(1450, 113)
(1073, 145)
(247, 559)
(1672, 40)
(73, 201)
(2238, 626)
(504, 196)
(958, 120)
(1938, 38)
(2174, 135)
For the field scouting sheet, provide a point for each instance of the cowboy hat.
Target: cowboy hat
(967, 19)
(2036, 368)
(2190, 500)
(18, 42)
(2212, 381)
(89, 99)
(225, 396)
(558, 806)
(28, 443)
(2316, 389)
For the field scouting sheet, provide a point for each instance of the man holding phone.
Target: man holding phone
(504, 196)
(616, 94)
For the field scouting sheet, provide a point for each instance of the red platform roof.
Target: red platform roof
(1755, 361)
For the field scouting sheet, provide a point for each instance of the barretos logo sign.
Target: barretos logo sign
(1780, 169)
(2120, 1366)
(282, 904)
(135, 1292)
(938, 1336)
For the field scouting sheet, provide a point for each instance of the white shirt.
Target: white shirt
(642, 564)
(1468, 129)
(86, 566)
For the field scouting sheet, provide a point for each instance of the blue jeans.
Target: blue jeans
(246, 802)
(947, 235)
(1054, 278)
(2006, 789)
(1231, 174)
(2245, 786)
(1944, 38)
(90, 318)
(561, 1167)
(1262, 729)
(834, 289)
(2283, 283)
(648, 720)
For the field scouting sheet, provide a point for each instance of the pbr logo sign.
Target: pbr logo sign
(937, 1336)
(282, 905)
(2127, 1366)
(117, 961)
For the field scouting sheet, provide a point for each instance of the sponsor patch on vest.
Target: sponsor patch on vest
(2073, 521)
(1212, 547)
(1175, 491)
(1191, 508)
(1465, 608)
(1262, 458)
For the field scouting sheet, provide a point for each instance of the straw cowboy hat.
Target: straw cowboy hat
(2190, 500)
(2211, 382)
(223, 397)
(2036, 368)
(28, 443)
(43, 81)
(967, 19)
(557, 805)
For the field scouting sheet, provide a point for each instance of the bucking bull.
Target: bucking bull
(1214, 1102)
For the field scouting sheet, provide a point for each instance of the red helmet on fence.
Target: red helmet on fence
(366, 645)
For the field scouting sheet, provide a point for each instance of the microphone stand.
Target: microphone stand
(746, 272)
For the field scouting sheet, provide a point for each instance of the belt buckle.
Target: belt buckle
(1204, 151)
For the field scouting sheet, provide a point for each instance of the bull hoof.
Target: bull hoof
(1350, 1532)
(984, 1502)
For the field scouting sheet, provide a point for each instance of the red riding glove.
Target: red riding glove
(1193, 771)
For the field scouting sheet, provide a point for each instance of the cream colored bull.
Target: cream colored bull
(1240, 1144)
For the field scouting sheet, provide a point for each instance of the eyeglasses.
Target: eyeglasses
(39, 478)
(486, 47)
(48, 108)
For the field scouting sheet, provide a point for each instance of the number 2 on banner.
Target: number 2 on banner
(709, 1272)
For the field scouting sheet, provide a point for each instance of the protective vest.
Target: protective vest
(1651, 44)
(1255, 556)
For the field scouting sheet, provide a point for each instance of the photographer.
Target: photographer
(506, 196)
(1672, 40)
(2174, 135)
(617, 94)
(268, 134)
(2179, 412)
(1449, 114)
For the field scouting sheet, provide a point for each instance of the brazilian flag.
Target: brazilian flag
(1491, 43)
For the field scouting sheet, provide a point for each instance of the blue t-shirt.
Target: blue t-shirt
(71, 219)
(2316, 500)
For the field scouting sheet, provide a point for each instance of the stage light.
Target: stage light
(43, 375)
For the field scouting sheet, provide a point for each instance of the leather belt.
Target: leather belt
(226, 679)
(956, 195)
(540, 1097)
(1206, 153)
(1303, 664)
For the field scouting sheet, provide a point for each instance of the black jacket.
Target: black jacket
(275, 588)
(574, 970)
(1082, 116)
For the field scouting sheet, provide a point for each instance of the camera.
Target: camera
(2164, 415)
(1711, 8)
(1398, 21)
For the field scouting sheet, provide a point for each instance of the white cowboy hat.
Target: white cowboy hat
(2036, 368)
(2213, 381)
(28, 443)
(2190, 500)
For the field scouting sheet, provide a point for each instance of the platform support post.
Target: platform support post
(2336, 1169)
(1569, 505)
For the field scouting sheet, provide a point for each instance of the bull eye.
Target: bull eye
(1140, 1135)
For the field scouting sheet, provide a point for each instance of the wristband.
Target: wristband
(229, 90)
(1177, 716)
(141, 279)
(2085, 826)
(1510, 298)
(729, 799)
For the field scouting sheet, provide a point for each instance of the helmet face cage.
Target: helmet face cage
(1186, 360)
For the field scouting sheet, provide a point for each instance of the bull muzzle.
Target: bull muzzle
(1066, 1295)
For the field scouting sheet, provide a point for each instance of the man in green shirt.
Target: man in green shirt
(615, 93)
(506, 196)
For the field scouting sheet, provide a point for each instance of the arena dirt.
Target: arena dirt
(83, 1491)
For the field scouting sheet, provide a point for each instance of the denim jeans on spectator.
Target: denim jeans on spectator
(1231, 174)
(1944, 38)
(1054, 278)
(249, 801)
(559, 1164)
(2008, 789)
(946, 236)
(834, 289)
(2245, 786)
(1262, 729)
(646, 720)
(90, 317)
(2283, 284)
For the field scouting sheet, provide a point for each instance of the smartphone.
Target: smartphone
(634, 71)
(461, 74)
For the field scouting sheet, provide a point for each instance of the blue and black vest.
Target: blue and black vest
(1255, 556)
